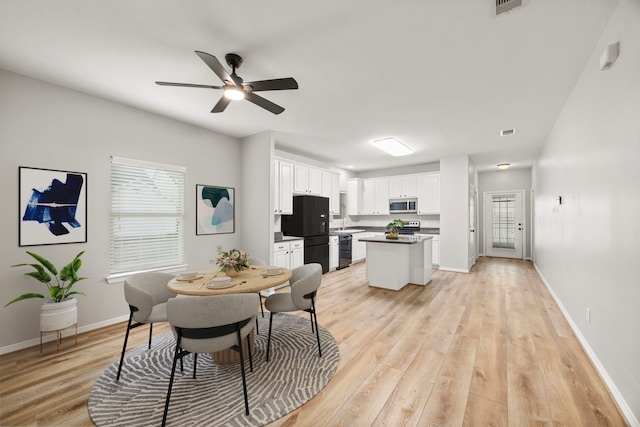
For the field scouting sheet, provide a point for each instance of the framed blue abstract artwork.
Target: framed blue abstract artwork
(52, 207)
(215, 210)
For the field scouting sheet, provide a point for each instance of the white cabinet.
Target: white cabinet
(289, 254)
(283, 188)
(375, 196)
(435, 248)
(331, 189)
(296, 254)
(334, 252)
(354, 196)
(358, 248)
(307, 180)
(403, 186)
(429, 193)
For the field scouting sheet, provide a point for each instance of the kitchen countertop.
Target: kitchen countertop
(368, 229)
(287, 239)
(400, 240)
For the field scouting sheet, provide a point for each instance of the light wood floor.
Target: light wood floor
(489, 348)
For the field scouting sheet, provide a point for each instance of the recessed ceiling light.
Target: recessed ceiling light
(392, 146)
(503, 166)
(507, 132)
(350, 166)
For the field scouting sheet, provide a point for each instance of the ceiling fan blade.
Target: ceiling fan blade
(221, 105)
(274, 84)
(215, 65)
(266, 104)
(188, 85)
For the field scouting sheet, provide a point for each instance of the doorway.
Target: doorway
(504, 224)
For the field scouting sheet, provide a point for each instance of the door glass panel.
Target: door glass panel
(504, 223)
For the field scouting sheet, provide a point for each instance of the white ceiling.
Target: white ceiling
(443, 77)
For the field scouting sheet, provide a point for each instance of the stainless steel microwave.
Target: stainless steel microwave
(403, 205)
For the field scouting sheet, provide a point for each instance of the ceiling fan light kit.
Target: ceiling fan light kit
(234, 94)
(235, 88)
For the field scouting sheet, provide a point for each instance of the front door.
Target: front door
(504, 224)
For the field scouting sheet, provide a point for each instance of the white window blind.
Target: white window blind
(147, 215)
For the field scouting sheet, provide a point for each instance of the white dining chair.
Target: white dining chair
(207, 324)
(305, 281)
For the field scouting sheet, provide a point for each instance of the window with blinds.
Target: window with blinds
(504, 222)
(147, 216)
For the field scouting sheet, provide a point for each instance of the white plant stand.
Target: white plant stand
(58, 317)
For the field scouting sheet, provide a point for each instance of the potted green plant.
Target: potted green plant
(393, 227)
(60, 311)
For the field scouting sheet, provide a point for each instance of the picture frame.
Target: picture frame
(215, 209)
(52, 206)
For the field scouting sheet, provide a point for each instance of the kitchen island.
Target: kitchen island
(394, 263)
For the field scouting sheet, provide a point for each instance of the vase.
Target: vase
(231, 273)
(55, 316)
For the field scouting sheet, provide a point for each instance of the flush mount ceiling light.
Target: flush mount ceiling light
(503, 166)
(392, 146)
(507, 132)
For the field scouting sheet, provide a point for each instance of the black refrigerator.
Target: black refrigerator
(310, 219)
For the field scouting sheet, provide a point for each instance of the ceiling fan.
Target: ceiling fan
(235, 88)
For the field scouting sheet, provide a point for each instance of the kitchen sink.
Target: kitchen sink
(352, 230)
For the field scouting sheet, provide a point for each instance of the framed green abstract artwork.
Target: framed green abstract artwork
(215, 209)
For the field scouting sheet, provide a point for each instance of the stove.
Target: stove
(410, 228)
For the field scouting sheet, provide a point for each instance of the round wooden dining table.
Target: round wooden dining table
(250, 280)
(254, 279)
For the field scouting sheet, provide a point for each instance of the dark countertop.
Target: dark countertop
(286, 239)
(368, 229)
(400, 240)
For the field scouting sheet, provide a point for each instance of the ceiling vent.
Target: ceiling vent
(503, 6)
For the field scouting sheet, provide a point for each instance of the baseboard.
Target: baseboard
(454, 270)
(602, 372)
(51, 337)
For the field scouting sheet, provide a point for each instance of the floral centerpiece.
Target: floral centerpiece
(232, 261)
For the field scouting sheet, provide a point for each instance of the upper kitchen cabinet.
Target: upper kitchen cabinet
(428, 193)
(354, 196)
(307, 180)
(331, 189)
(375, 196)
(283, 188)
(403, 186)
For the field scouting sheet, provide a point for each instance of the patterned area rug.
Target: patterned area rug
(294, 375)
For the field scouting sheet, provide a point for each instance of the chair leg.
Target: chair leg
(195, 364)
(269, 337)
(314, 315)
(124, 347)
(250, 356)
(261, 306)
(311, 318)
(150, 334)
(244, 378)
(173, 371)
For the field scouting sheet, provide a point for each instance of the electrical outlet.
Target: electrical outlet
(588, 315)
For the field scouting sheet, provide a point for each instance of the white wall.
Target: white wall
(257, 201)
(507, 180)
(588, 248)
(454, 213)
(46, 126)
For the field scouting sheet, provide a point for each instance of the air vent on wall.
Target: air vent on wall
(503, 6)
